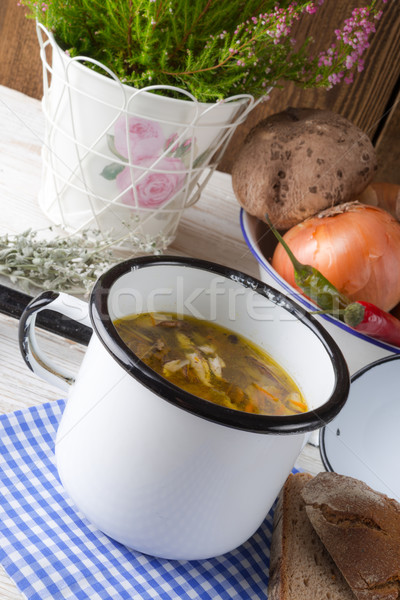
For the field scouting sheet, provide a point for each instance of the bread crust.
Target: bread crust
(277, 580)
(361, 530)
(300, 566)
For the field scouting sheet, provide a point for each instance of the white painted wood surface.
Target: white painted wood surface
(209, 230)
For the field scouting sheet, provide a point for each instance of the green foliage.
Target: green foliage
(211, 48)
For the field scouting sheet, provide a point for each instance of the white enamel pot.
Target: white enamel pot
(154, 467)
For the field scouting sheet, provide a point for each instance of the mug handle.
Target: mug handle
(65, 305)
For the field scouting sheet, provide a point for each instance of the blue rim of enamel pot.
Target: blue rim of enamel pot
(299, 423)
(300, 298)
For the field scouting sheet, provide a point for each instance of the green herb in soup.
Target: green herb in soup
(211, 362)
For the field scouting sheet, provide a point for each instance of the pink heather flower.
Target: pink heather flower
(335, 78)
(146, 138)
(349, 78)
(153, 187)
(311, 9)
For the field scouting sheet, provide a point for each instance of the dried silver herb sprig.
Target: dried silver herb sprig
(71, 263)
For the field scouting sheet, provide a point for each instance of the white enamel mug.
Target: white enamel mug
(152, 466)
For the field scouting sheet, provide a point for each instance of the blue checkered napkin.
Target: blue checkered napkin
(51, 551)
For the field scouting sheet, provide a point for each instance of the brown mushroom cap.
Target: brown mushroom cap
(298, 162)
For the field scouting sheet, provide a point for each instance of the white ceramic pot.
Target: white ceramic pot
(363, 440)
(154, 467)
(123, 160)
(358, 349)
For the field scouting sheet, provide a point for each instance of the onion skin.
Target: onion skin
(355, 246)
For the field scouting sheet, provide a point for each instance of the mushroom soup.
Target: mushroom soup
(211, 362)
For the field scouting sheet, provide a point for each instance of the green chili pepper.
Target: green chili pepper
(312, 282)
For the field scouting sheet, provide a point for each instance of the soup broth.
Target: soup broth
(211, 362)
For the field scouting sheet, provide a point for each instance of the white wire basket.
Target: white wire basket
(123, 161)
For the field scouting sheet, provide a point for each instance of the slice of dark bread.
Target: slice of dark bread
(361, 530)
(300, 566)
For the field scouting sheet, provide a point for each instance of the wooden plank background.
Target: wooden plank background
(372, 102)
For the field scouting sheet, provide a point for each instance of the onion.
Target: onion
(355, 246)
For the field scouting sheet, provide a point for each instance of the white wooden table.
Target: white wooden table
(209, 230)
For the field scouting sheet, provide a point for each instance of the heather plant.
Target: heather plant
(211, 48)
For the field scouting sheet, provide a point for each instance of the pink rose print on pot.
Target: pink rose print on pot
(146, 138)
(154, 187)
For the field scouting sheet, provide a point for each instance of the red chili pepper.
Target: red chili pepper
(368, 318)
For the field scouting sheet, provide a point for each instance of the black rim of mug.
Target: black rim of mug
(104, 328)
